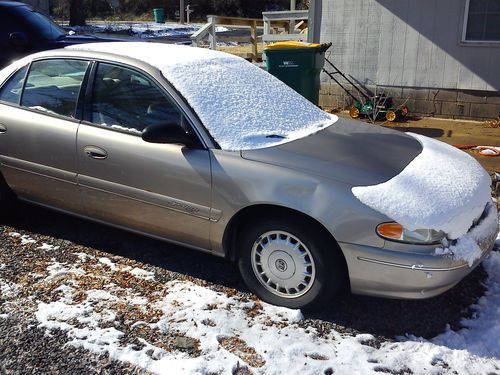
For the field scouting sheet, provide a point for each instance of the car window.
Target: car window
(53, 86)
(11, 90)
(38, 24)
(129, 101)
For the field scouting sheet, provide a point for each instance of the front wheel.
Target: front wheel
(290, 264)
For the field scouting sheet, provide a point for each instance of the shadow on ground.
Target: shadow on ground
(380, 317)
(429, 132)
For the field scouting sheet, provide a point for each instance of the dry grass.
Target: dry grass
(241, 50)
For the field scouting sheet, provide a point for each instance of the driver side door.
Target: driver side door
(163, 190)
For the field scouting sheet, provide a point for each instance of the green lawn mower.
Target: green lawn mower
(376, 107)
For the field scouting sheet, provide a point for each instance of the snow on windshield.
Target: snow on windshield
(242, 106)
(443, 188)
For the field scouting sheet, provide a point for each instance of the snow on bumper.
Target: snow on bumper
(414, 271)
(472, 245)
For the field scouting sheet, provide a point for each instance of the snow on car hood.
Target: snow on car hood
(242, 106)
(443, 188)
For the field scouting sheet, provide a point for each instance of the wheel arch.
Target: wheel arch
(233, 229)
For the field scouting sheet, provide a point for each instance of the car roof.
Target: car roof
(240, 105)
(159, 55)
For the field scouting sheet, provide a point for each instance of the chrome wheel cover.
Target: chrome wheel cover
(283, 264)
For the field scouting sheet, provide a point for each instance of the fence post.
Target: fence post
(314, 21)
(253, 40)
(211, 36)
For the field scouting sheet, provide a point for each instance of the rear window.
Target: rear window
(11, 90)
(38, 24)
(52, 86)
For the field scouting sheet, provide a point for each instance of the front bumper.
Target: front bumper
(403, 273)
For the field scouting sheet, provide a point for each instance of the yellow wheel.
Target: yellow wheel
(354, 112)
(404, 111)
(390, 116)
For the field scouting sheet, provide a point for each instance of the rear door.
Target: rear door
(38, 132)
(158, 189)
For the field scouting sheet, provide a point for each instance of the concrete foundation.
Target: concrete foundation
(447, 103)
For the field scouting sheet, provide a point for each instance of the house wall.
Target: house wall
(413, 51)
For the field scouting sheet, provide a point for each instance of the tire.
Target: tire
(279, 251)
(354, 112)
(7, 199)
(391, 116)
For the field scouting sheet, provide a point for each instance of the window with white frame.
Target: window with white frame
(482, 21)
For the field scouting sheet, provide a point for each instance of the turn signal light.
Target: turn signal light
(390, 230)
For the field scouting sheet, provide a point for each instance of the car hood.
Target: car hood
(349, 151)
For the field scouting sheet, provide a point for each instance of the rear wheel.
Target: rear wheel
(7, 199)
(290, 264)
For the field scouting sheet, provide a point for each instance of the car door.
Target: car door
(159, 189)
(38, 132)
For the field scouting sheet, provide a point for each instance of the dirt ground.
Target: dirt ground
(454, 132)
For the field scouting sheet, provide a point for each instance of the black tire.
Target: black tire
(7, 199)
(328, 263)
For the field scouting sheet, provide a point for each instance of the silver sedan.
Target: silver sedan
(203, 149)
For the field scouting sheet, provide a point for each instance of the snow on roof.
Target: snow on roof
(443, 188)
(242, 106)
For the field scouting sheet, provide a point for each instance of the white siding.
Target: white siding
(407, 43)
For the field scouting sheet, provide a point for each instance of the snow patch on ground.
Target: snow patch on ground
(183, 327)
(242, 106)
(443, 189)
(25, 240)
(48, 247)
(143, 30)
(8, 290)
(108, 262)
(84, 256)
(481, 333)
(140, 273)
(58, 270)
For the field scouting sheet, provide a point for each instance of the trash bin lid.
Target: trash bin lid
(292, 44)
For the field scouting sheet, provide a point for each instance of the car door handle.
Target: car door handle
(3, 128)
(95, 152)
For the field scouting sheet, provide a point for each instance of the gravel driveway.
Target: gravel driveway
(38, 247)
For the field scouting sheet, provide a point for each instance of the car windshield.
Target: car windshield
(240, 105)
(38, 24)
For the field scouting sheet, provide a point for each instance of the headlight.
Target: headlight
(395, 232)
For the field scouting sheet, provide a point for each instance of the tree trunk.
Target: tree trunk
(76, 13)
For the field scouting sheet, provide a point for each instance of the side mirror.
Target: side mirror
(18, 39)
(168, 133)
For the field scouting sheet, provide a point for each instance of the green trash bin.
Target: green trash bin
(297, 64)
(159, 15)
